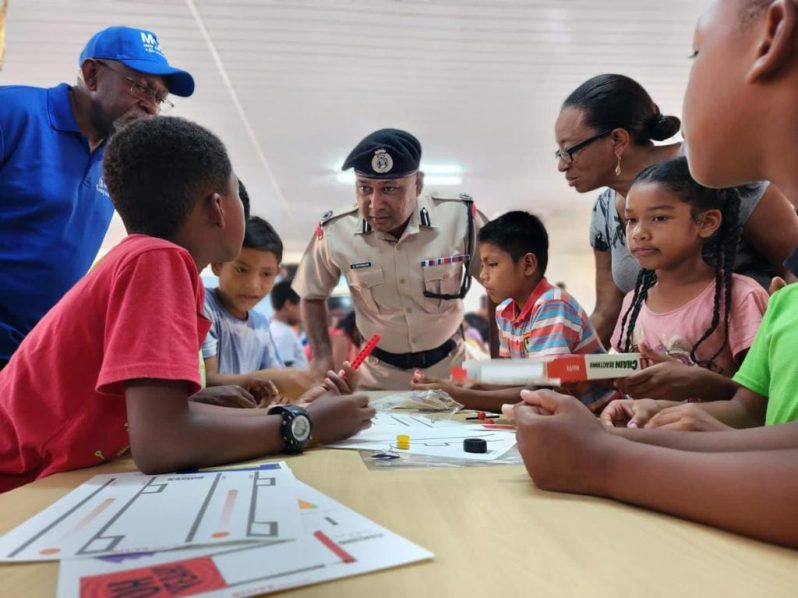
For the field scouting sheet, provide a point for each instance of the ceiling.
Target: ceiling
(292, 85)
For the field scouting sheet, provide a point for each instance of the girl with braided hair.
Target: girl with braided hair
(610, 129)
(688, 305)
(740, 110)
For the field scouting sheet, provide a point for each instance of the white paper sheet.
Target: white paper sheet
(337, 542)
(131, 512)
(437, 438)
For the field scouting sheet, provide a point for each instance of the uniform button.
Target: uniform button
(409, 310)
(445, 276)
(402, 281)
(413, 340)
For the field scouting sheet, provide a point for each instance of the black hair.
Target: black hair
(518, 233)
(242, 193)
(752, 10)
(157, 168)
(282, 293)
(619, 102)
(261, 235)
(479, 323)
(720, 251)
(348, 325)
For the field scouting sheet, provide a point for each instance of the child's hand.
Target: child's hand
(629, 413)
(562, 444)
(337, 418)
(422, 382)
(688, 416)
(351, 377)
(225, 396)
(263, 391)
(293, 382)
(667, 378)
(333, 384)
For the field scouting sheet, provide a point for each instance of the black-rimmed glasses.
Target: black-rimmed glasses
(140, 91)
(567, 154)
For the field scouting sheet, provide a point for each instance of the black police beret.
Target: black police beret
(385, 154)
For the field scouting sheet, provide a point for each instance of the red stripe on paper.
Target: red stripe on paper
(337, 550)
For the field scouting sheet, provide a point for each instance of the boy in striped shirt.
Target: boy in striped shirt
(535, 319)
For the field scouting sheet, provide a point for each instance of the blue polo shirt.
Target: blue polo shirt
(54, 206)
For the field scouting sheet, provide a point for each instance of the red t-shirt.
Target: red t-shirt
(137, 314)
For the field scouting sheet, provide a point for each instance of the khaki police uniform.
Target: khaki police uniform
(387, 278)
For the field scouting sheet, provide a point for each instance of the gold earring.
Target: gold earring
(618, 167)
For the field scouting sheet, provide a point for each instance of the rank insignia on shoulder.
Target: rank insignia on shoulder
(331, 215)
(423, 216)
(452, 197)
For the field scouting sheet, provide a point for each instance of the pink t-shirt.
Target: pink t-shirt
(675, 332)
(137, 314)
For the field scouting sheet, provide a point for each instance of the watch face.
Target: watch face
(300, 428)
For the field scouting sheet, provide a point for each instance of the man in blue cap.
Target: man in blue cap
(407, 259)
(54, 206)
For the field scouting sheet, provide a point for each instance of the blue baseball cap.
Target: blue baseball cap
(138, 49)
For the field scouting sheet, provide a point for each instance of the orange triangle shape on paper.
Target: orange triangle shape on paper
(303, 504)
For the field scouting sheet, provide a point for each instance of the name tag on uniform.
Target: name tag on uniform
(360, 265)
(439, 261)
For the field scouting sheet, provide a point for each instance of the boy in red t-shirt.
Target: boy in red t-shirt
(114, 363)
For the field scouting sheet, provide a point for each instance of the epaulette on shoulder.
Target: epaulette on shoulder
(331, 215)
(452, 197)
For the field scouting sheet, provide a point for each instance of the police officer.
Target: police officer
(407, 259)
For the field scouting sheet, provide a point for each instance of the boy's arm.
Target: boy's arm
(291, 382)
(168, 433)
(481, 398)
(485, 400)
(746, 410)
(753, 493)
(782, 436)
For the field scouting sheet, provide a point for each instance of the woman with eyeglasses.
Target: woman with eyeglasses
(606, 132)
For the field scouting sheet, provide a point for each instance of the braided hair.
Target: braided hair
(719, 251)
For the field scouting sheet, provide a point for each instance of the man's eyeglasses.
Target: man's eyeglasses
(140, 91)
(567, 154)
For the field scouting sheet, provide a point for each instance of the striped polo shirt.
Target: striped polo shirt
(551, 322)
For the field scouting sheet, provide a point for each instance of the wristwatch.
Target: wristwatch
(295, 428)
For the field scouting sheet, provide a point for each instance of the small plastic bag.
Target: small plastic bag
(436, 404)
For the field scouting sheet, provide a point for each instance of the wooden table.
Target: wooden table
(493, 534)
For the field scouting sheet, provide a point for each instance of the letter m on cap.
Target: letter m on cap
(148, 38)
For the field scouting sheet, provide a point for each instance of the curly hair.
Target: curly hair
(157, 168)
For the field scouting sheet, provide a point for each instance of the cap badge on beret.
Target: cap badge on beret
(381, 162)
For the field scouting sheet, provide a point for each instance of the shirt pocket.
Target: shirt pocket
(443, 279)
(363, 283)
